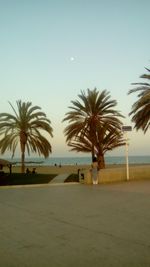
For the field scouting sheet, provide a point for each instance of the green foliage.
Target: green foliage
(24, 179)
(72, 178)
(141, 108)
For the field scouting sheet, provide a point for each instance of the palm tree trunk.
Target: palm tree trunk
(22, 157)
(23, 140)
(23, 162)
(101, 161)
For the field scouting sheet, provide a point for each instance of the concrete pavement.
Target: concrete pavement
(75, 225)
(59, 178)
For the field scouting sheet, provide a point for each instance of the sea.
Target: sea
(81, 160)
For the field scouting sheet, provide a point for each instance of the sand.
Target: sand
(65, 169)
(53, 169)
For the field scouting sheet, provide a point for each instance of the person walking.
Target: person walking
(94, 171)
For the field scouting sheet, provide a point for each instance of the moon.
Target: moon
(72, 59)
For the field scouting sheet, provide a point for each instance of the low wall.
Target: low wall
(119, 174)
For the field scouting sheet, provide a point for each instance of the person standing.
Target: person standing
(94, 171)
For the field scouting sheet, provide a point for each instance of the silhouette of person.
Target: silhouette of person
(94, 171)
(33, 170)
(27, 170)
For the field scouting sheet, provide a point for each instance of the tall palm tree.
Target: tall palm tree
(89, 118)
(25, 128)
(141, 108)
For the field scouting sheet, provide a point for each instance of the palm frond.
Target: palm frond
(27, 129)
(89, 119)
(141, 108)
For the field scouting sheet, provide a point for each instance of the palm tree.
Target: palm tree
(106, 141)
(90, 120)
(141, 108)
(24, 128)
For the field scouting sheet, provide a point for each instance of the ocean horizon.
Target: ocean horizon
(81, 160)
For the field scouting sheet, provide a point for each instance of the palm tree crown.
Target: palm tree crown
(90, 119)
(141, 108)
(24, 128)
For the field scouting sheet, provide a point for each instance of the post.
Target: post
(125, 129)
(127, 160)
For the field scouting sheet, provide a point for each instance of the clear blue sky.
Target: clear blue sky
(110, 44)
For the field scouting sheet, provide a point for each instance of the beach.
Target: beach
(112, 173)
(53, 169)
(58, 170)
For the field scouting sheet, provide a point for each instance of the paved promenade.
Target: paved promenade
(59, 178)
(75, 225)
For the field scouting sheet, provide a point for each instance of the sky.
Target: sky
(51, 50)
